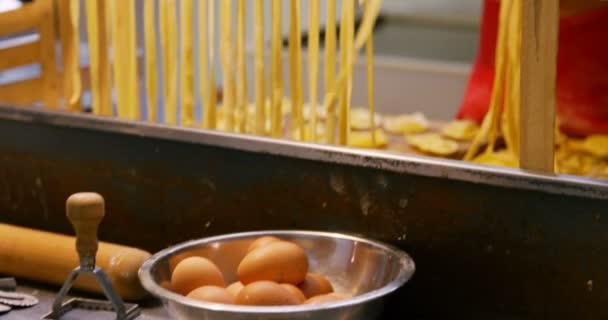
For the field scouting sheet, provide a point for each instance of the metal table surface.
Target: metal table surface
(151, 309)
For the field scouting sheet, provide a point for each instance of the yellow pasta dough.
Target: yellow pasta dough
(464, 130)
(406, 123)
(363, 139)
(433, 143)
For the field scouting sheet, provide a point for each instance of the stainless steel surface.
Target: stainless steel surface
(150, 309)
(368, 269)
(400, 163)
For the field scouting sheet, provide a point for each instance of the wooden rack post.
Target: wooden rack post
(540, 28)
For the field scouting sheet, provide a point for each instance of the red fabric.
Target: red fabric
(582, 80)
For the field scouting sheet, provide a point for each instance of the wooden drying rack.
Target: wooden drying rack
(538, 68)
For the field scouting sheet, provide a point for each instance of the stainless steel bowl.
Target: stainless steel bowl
(368, 269)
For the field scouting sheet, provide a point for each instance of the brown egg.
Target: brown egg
(265, 293)
(294, 291)
(194, 272)
(212, 294)
(325, 298)
(261, 242)
(315, 284)
(281, 262)
(235, 288)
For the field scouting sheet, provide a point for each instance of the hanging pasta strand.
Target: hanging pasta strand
(330, 67)
(295, 60)
(226, 55)
(169, 34)
(187, 62)
(276, 70)
(163, 19)
(370, 80)
(488, 129)
(151, 63)
(72, 69)
(211, 107)
(346, 56)
(365, 30)
(260, 79)
(241, 67)
(313, 65)
(119, 55)
(513, 84)
(133, 105)
(101, 87)
(203, 59)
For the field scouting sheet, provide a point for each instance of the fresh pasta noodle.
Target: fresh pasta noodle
(187, 62)
(151, 63)
(260, 78)
(212, 96)
(295, 61)
(369, 48)
(203, 60)
(330, 66)
(346, 56)
(505, 88)
(227, 64)
(132, 90)
(365, 29)
(118, 39)
(241, 67)
(168, 26)
(73, 70)
(313, 64)
(276, 70)
(99, 57)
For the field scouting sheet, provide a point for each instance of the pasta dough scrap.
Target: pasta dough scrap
(464, 130)
(363, 139)
(596, 145)
(433, 143)
(497, 158)
(321, 114)
(407, 124)
(296, 132)
(360, 119)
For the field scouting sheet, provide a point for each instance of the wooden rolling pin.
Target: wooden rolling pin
(50, 257)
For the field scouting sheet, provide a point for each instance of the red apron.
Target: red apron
(582, 71)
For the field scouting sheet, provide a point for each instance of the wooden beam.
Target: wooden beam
(21, 93)
(22, 19)
(540, 28)
(19, 55)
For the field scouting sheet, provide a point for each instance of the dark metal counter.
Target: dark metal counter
(488, 242)
(151, 309)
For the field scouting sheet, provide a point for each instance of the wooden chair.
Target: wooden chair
(26, 48)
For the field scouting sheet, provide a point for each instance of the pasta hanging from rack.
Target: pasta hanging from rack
(173, 82)
(503, 112)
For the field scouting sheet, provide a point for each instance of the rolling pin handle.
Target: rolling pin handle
(85, 210)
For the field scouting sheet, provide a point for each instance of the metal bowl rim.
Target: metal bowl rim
(405, 273)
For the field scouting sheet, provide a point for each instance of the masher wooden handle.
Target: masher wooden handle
(85, 210)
